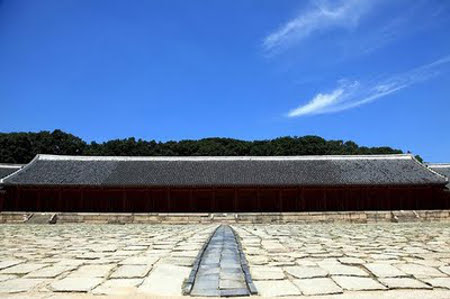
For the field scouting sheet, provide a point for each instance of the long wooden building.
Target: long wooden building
(223, 184)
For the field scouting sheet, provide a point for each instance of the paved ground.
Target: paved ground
(99, 259)
(292, 260)
(343, 260)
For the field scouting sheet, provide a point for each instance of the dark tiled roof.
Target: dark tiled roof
(7, 169)
(225, 171)
(443, 169)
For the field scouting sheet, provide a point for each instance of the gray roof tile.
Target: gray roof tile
(225, 171)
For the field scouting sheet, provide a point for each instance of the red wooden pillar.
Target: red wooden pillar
(39, 205)
(387, 204)
(2, 199)
(280, 201)
(14, 200)
(191, 200)
(81, 206)
(124, 201)
(169, 206)
(214, 200)
(300, 204)
(60, 205)
(235, 200)
(258, 199)
(147, 200)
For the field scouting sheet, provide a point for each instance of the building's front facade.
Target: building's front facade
(224, 184)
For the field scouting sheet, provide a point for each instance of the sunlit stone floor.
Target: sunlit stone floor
(98, 259)
(320, 259)
(343, 260)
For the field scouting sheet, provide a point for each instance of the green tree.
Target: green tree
(21, 147)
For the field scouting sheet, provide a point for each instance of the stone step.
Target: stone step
(405, 216)
(41, 218)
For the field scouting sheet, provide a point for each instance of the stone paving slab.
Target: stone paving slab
(404, 283)
(358, 283)
(131, 271)
(165, 280)
(303, 272)
(94, 271)
(140, 260)
(117, 287)
(50, 272)
(384, 270)
(445, 269)
(23, 268)
(276, 288)
(317, 286)
(75, 284)
(267, 273)
(339, 269)
(420, 271)
(8, 263)
(19, 285)
(7, 277)
(439, 282)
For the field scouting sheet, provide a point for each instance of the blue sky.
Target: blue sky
(376, 72)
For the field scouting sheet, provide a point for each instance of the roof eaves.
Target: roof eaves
(2, 181)
(427, 167)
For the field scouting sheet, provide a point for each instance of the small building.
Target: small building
(7, 169)
(223, 184)
(442, 168)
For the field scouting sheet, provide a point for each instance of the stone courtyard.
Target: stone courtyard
(325, 260)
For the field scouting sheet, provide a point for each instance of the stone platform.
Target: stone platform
(233, 218)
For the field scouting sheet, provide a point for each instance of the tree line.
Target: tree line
(21, 147)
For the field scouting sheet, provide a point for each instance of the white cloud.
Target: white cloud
(353, 94)
(322, 15)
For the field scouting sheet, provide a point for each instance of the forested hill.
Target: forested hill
(22, 147)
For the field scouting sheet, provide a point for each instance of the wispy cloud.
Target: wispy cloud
(322, 15)
(350, 94)
(413, 18)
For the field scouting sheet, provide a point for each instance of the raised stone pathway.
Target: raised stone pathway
(220, 270)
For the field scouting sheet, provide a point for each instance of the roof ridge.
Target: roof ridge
(438, 165)
(6, 165)
(222, 158)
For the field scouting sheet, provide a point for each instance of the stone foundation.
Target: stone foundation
(239, 218)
